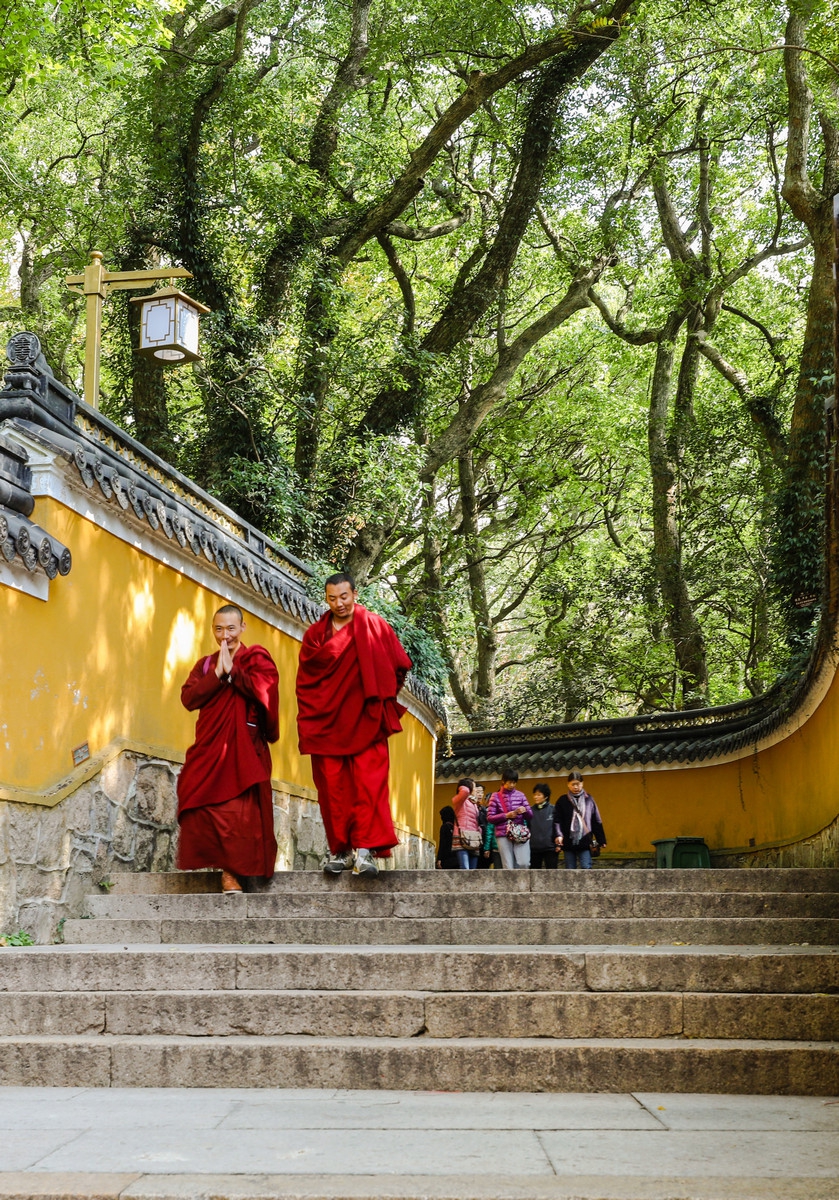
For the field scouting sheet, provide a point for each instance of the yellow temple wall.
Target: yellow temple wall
(102, 662)
(771, 795)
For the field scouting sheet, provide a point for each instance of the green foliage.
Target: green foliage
(150, 131)
(21, 938)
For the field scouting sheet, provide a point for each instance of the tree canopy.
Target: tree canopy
(522, 313)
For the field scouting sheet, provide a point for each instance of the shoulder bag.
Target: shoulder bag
(516, 831)
(470, 839)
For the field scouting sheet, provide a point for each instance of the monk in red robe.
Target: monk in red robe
(225, 807)
(352, 666)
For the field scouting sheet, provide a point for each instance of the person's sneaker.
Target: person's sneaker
(334, 864)
(365, 863)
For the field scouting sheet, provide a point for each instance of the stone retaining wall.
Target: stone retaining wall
(124, 819)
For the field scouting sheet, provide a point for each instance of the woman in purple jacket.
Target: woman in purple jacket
(509, 804)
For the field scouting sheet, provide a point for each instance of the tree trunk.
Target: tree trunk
(486, 639)
(683, 627)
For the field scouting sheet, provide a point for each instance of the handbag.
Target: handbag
(594, 848)
(470, 839)
(516, 831)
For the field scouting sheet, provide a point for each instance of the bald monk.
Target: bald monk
(352, 666)
(225, 807)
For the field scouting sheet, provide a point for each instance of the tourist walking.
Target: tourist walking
(446, 857)
(577, 824)
(481, 801)
(509, 813)
(467, 827)
(543, 852)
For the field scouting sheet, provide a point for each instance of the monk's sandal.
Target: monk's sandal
(334, 864)
(365, 863)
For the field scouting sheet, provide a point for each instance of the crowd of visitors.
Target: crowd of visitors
(508, 832)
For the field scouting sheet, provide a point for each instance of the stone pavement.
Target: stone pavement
(257, 1143)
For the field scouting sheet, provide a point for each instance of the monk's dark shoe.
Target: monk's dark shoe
(334, 864)
(365, 863)
(229, 883)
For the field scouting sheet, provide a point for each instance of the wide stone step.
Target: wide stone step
(457, 931)
(158, 969)
(414, 1014)
(787, 879)
(425, 1063)
(489, 906)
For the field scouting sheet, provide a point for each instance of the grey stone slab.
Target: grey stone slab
(126, 967)
(37, 1095)
(791, 1016)
(19, 1153)
(51, 1012)
(554, 1014)
(712, 969)
(425, 1110)
(813, 1114)
(524, 1064)
(153, 907)
(792, 879)
(55, 1185)
(54, 1062)
(427, 968)
(294, 1151)
(137, 1108)
(312, 931)
(716, 931)
(344, 1014)
(106, 932)
(460, 1187)
(695, 1153)
(734, 904)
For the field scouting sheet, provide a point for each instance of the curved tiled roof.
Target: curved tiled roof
(687, 736)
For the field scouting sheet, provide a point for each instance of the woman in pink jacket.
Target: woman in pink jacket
(466, 842)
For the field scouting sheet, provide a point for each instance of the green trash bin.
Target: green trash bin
(682, 852)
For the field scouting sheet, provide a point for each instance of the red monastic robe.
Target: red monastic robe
(347, 684)
(225, 807)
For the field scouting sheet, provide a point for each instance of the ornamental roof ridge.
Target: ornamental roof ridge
(682, 736)
(130, 475)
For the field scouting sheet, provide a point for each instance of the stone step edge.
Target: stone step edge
(61, 1185)
(417, 994)
(714, 1066)
(265, 899)
(495, 949)
(421, 1045)
(31, 1185)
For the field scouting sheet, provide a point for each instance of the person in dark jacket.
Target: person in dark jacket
(481, 801)
(577, 824)
(446, 857)
(543, 852)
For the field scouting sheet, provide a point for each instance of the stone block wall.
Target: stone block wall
(820, 850)
(124, 819)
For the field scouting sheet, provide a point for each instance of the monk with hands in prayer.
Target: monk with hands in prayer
(225, 805)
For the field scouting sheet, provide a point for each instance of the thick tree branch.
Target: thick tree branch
(757, 407)
(471, 415)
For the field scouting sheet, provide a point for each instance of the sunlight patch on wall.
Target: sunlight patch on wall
(180, 653)
(140, 607)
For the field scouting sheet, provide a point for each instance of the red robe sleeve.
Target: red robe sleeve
(202, 684)
(255, 675)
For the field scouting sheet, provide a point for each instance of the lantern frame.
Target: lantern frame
(174, 344)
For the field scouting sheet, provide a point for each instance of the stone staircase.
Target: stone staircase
(621, 981)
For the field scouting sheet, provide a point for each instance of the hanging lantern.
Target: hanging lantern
(169, 326)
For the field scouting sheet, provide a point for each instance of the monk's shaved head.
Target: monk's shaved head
(229, 608)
